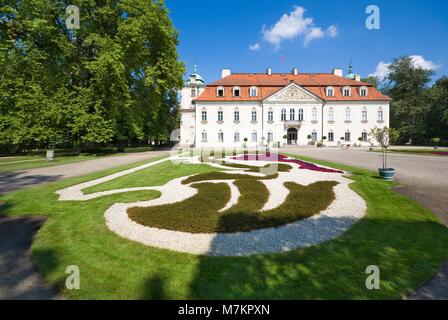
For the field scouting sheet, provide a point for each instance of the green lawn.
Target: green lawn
(406, 241)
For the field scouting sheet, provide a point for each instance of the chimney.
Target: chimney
(338, 72)
(295, 71)
(225, 73)
(269, 71)
(357, 77)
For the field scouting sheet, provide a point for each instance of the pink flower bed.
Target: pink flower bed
(281, 158)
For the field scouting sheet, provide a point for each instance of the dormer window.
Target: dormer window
(330, 92)
(253, 91)
(363, 92)
(346, 91)
(236, 91)
(220, 92)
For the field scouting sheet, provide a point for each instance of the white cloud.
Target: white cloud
(254, 47)
(293, 25)
(332, 31)
(420, 62)
(315, 33)
(382, 69)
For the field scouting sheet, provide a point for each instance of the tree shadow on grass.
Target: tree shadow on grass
(19, 278)
(154, 288)
(407, 253)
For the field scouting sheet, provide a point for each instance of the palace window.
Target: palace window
(314, 136)
(331, 114)
(254, 116)
(236, 137)
(346, 92)
(220, 136)
(300, 114)
(380, 115)
(292, 115)
(236, 91)
(364, 115)
(220, 91)
(270, 137)
(348, 136)
(330, 91)
(314, 114)
(348, 115)
(283, 118)
(204, 115)
(220, 116)
(253, 91)
(363, 91)
(254, 136)
(364, 136)
(236, 116)
(331, 136)
(270, 116)
(204, 136)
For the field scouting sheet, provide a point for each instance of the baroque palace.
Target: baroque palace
(278, 109)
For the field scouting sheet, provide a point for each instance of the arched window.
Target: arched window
(236, 91)
(346, 91)
(270, 115)
(283, 118)
(364, 114)
(253, 91)
(300, 114)
(380, 115)
(292, 114)
(314, 114)
(204, 136)
(363, 91)
(236, 115)
(331, 114)
(348, 115)
(329, 91)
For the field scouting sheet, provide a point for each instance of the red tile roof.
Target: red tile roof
(269, 84)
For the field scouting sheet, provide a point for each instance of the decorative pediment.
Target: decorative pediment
(293, 93)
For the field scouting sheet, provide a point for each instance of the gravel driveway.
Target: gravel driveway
(423, 178)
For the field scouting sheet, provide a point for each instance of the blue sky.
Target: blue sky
(322, 36)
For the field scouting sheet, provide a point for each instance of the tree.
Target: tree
(385, 137)
(375, 81)
(437, 117)
(110, 81)
(407, 86)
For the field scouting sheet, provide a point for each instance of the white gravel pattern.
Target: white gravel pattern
(346, 210)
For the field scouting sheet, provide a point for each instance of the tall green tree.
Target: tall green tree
(102, 83)
(437, 117)
(407, 85)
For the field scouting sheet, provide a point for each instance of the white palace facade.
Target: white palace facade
(280, 109)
